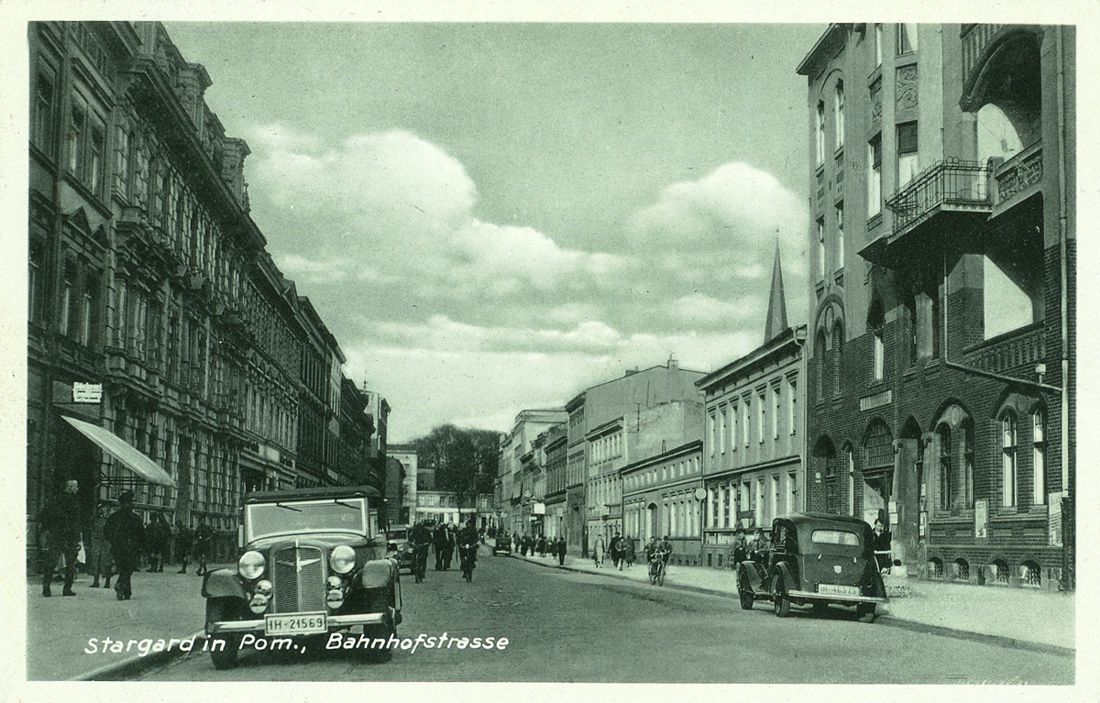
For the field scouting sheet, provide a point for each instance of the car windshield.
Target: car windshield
(397, 535)
(848, 539)
(298, 516)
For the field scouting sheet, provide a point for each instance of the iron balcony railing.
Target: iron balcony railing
(951, 183)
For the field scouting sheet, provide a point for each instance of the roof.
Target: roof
(765, 351)
(320, 492)
(812, 518)
(824, 43)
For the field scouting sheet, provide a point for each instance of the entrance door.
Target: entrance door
(876, 497)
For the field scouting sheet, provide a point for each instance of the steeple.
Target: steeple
(777, 307)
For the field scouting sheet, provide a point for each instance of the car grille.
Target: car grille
(298, 590)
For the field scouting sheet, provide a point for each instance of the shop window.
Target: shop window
(962, 569)
(1008, 460)
(935, 568)
(1031, 574)
(1038, 457)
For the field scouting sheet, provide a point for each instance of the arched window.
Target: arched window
(968, 463)
(946, 484)
(1008, 459)
(820, 133)
(1038, 456)
(824, 457)
(838, 114)
(878, 447)
(819, 380)
(876, 323)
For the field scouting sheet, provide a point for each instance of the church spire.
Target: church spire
(776, 322)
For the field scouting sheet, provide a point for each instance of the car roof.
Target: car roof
(824, 519)
(319, 493)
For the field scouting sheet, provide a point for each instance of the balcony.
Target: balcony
(1018, 178)
(1015, 352)
(940, 201)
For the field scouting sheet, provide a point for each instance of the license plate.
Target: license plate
(296, 624)
(835, 590)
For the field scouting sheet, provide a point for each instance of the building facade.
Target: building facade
(659, 499)
(516, 504)
(555, 449)
(941, 357)
(406, 455)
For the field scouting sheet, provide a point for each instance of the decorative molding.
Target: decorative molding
(906, 93)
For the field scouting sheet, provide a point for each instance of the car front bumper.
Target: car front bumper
(834, 598)
(335, 622)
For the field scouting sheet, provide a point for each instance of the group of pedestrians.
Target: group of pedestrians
(619, 549)
(445, 539)
(538, 544)
(113, 545)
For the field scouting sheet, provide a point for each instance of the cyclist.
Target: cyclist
(421, 538)
(658, 553)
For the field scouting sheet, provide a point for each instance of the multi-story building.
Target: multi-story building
(319, 405)
(528, 425)
(660, 499)
(555, 441)
(406, 454)
(754, 441)
(575, 477)
(354, 464)
(609, 412)
(155, 312)
(941, 353)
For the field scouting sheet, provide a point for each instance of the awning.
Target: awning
(117, 447)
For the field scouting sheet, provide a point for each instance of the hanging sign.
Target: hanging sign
(87, 392)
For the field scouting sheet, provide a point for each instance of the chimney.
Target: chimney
(672, 362)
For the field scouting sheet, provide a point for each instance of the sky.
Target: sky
(491, 217)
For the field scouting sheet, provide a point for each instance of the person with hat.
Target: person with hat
(125, 532)
(61, 521)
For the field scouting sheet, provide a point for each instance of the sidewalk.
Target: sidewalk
(59, 629)
(1029, 618)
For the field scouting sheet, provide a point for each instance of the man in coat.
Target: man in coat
(157, 534)
(61, 521)
(440, 543)
(100, 552)
(184, 543)
(560, 549)
(125, 532)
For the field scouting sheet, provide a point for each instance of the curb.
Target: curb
(889, 620)
(137, 662)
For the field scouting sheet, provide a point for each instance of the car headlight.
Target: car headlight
(342, 559)
(251, 565)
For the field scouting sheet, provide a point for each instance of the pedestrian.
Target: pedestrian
(560, 548)
(524, 542)
(61, 521)
(737, 552)
(157, 534)
(758, 547)
(100, 551)
(185, 542)
(542, 545)
(439, 543)
(616, 549)
(598, 549)
(204, 536)
(665, 547)
(125, 532)
(882, 546)
(449, 547)
(629, 555)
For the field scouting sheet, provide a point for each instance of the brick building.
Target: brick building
(941, 345)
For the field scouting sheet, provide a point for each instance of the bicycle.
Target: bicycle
(657, 568)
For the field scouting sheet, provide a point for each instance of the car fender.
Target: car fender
(754, 572)
(223, 583)
(783, 570)
(378, 573)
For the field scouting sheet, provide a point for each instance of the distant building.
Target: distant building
(517, 499)
(754, 441)
(406, 455)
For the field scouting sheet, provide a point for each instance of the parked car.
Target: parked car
(399, 548)
(502, 545)
(310, 564)
(815, 559)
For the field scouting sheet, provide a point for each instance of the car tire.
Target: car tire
(781, 602)
(744, 592)
(220, 610)
(379, 632)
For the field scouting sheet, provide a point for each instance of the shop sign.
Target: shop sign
(538, 509)
(87, 392)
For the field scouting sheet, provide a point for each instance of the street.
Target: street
(566, 626)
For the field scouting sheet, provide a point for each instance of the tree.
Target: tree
(465, 460)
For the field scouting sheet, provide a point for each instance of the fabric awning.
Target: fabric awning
(117, 447)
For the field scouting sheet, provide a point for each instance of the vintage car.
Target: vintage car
(310, 564)
(815, 559)
(399, 548)
(502, 545)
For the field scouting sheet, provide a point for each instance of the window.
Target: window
(789, 506)
(713, 434)
(878, 45)
(775, 411)
(722, 430)
(821, 249)
(68, 284)
(820, 133)
(838, 345)
(874, 176)
(832, 493)
(733, 427)
(912, 328)
(947, 474)
(848, 539)
(74, 138)
(968, 463)
(838, 115)
(760, 413)
(88, 304)
(907, 38)
(98, 151)
(36, 261)
(878, 358)
(792, 405)
(122, 165)
(759, 513)
(775, 496)
(908, 156)
(839, 210)
(746, 411)
(1008, 460)
(819, 354)
(42, 117)
(1038, 457)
